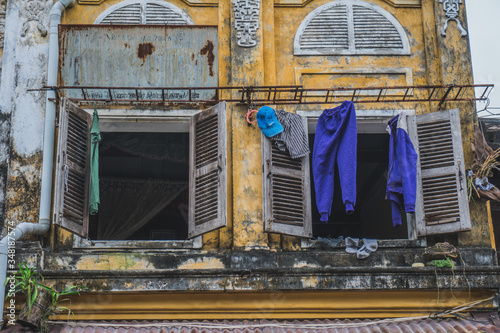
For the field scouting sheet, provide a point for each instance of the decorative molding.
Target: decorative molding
(190, 3)
(34, 9)
(404, 75)
(451, 8)
(246, 21)
(201, 3)
(291, 3)
(350, 27)
(405, 3)
(144, 12)
(394, 3)
(277, 3)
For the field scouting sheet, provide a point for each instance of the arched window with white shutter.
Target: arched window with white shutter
(350, 28)
(144, 12)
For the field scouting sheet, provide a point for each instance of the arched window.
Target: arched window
(143, 12)
(350, 28)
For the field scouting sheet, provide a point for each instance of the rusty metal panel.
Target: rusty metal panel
(138, 56)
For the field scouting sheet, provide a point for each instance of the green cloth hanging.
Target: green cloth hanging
(95, 138)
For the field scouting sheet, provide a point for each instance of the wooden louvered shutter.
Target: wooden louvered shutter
(71, 202)
(208, 171)
(441, 204)
(286, 192)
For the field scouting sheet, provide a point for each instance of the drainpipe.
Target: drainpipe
(43, 225)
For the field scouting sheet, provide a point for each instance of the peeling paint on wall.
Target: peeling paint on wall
(202, 263)
(113, 262)
(23, 187)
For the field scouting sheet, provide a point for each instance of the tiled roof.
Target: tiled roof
(482, 323)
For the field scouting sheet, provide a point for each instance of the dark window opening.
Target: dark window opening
(372, 216)
(143, 187)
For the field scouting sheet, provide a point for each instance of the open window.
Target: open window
(156, 182)
(441, 205)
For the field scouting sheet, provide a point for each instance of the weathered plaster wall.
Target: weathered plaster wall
(270, 61)
(4, 123)
(24, 67)
(241, 257)
(433, 60)
(351, 71)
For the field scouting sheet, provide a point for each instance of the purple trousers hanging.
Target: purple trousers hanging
(335, 143)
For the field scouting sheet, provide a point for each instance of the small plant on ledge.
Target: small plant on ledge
(42, 301)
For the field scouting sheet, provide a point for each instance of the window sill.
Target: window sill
(382, 243)
(81, 243)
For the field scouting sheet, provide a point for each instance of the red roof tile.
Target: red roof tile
(483, 323)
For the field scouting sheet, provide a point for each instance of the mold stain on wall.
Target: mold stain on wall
(23, 187)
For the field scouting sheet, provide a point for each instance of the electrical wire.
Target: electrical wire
(487, 109)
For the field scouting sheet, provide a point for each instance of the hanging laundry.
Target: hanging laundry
(402, 176)
(294, 137)
(335, 142)
(95, 138)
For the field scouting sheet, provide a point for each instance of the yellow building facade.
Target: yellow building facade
(386, 56)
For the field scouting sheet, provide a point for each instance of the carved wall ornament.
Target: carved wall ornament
(451, 8)
(246, 21)
(34, 9)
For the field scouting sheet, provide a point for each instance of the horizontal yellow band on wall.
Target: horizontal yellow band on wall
(268, 305)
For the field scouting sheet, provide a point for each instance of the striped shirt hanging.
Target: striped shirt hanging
(294, 137)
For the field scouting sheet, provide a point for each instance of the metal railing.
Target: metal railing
(271, 95)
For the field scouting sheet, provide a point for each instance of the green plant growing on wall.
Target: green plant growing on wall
(42, 301)
(28, 281)
(442, 255)
(56, 298)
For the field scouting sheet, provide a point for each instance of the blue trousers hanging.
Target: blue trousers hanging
(335, 142)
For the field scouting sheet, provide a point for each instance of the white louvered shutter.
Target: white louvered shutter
(286, 192)
(374, 31)
(208, 171)
(144, 12)
(441, 204)
(71, 202)
(350, 27)
(130, 14)
(328, 30)
(159, 14)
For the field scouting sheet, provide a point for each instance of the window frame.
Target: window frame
(114, 120)
(153, 120)
(370, 121)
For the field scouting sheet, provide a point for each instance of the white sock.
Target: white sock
(351, 245)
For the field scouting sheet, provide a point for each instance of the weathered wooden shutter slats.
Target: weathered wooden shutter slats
(206, 197)
(71, 203)
(286, 198)
(442, 205)
(208, 179)
(206, 141)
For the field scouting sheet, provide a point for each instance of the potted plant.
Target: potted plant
(41, 301)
